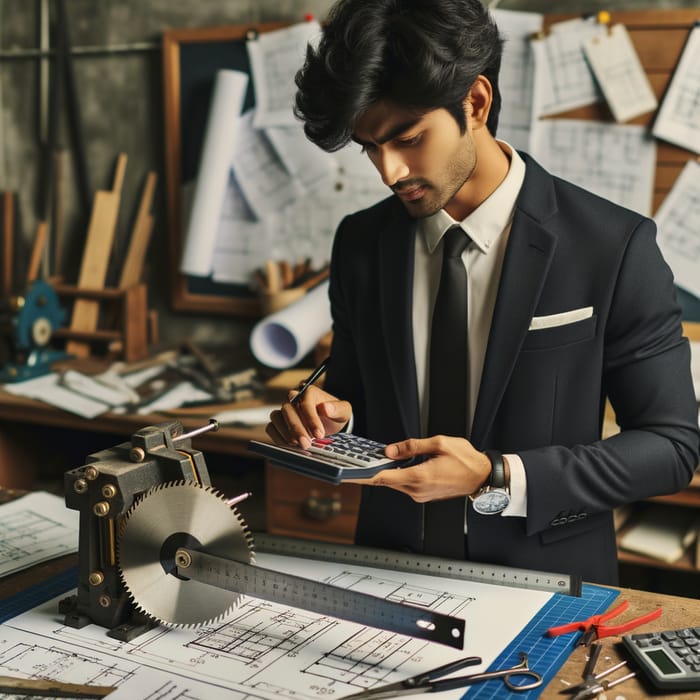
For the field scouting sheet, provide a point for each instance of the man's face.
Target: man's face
(424, 159)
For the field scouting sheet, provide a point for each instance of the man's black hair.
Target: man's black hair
(419, 54)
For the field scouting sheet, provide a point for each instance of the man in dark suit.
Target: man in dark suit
(569, 303)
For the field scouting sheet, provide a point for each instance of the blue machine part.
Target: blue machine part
(39, 316)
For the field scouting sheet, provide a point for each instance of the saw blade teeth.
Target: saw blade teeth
(155, 526)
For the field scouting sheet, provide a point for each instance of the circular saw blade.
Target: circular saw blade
(172, 515)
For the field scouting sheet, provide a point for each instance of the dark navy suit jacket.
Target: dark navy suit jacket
(543, 392)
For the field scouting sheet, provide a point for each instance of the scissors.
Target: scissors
(426, 683)
(595, 628)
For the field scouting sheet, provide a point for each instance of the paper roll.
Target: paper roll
(213, 173)
(283, 338)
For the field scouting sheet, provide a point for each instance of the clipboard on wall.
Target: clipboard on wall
(191, 58)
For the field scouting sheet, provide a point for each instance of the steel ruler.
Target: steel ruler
(319, 597)
(419, 564)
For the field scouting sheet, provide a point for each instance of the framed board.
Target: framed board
(191, 58)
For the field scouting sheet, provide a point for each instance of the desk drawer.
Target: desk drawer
(297, 506)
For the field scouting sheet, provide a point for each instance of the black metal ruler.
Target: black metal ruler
(319, 597)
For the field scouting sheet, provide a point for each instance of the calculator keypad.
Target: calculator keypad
(355, 450)
(682, 644)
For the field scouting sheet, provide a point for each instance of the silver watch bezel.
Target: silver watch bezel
(491, 501)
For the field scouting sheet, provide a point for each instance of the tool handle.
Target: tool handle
(444, 670)
(592, 660)
(616, 630)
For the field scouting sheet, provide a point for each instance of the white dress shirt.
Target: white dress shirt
(488, 226)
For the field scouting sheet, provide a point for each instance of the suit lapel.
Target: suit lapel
(396, 254)
(527, 260)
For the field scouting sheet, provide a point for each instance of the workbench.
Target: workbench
(227, 440)
(677, 612)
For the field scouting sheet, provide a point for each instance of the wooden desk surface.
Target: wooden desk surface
(677, 612)
(226, 440)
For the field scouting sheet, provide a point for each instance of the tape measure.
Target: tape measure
(420, 563)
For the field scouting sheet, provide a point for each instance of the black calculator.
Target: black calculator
(670, 659)
(333, 458)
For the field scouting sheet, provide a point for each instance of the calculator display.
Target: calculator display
(663, 662)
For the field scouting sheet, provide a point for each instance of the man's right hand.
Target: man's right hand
(316, 414)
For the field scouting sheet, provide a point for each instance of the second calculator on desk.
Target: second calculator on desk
(334, 458)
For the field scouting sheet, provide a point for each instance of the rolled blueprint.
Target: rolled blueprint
(213, 173)
(283, 338)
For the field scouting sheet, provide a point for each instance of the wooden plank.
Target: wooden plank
(7, 212)
(140, 236)
(42, 229)
(98, 247)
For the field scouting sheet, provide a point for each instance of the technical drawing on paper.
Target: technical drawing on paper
(678, 120)
(563, 79)
(266, 650)
(35, 528)
(678, 220)
(615, 161)
(53, 662)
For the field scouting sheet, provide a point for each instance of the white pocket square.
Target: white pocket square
(562, 319)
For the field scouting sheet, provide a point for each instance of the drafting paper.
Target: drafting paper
(619, 73)
(262, 177)
(264, 651)
(176, 396)
(241, 239)
(213, 172)
(616, 161)
(303, 159)
(275, 57)
(283, 338)
(563, 79)
(35, 528)
(47, 388)
(678, 120)
(517, 73)
(678, 220)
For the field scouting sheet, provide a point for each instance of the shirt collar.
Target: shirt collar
(488, 221)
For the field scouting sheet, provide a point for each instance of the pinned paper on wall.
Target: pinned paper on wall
(678, 220)
(619, 73)
(275, 57)
(678, 120)
(563, 80)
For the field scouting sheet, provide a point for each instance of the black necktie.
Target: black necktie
(448, 388)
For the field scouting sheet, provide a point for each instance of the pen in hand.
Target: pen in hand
(310, 380)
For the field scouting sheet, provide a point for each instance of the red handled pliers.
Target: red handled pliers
(595, 627)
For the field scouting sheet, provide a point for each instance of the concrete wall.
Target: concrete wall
(121, 111)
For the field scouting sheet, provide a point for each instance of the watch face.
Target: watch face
(491, 502)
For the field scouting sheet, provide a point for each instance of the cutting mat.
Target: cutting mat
(546, 654)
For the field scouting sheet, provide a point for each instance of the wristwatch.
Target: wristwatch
(494, 496)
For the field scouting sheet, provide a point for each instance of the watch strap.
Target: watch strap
(498, 470)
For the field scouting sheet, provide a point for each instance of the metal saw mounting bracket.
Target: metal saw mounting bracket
(103, 490)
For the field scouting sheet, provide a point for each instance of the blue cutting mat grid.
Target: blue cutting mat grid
(38, 594)
(546, 654)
